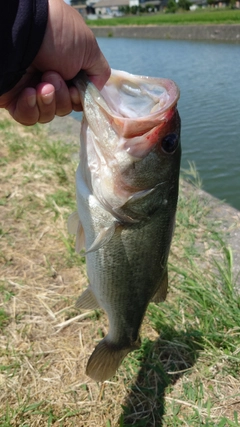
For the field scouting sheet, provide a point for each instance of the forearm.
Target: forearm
(23, 24)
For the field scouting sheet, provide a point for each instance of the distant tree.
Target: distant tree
(171, 6)
(124, 9)
(149, 8)
(232, 4)
(134, 10)
(76, 2)
(184, 4)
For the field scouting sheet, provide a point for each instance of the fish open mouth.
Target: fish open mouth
(138, 99)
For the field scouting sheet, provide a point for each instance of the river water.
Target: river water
(208, 75)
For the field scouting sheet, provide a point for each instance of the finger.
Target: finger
(97, 67)
(62, 95)
(46, 102)
(75, 99)
(99, 76)
(24, 108)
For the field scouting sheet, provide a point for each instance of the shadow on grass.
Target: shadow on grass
(163, 362)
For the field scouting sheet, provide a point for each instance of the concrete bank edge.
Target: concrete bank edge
(228, 33)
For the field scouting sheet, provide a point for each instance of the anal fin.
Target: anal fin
(87, 300)
(161, 293)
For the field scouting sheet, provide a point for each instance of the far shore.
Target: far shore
(218, 32)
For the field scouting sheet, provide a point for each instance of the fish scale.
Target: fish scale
(126, 213)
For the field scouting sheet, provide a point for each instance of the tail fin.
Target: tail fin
(106, 359)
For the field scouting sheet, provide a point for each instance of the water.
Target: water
(207, 74)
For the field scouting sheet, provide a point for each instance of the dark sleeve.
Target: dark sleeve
(22, 28)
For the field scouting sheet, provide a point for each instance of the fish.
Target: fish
(127, 190)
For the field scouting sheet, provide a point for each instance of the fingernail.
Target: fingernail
(31, 100)
(48, 98)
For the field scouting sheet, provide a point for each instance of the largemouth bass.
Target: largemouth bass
(127, 190)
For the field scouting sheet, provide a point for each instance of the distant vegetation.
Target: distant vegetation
(200, 16)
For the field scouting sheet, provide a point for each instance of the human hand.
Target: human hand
(68, 46)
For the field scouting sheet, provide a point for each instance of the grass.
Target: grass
(199, 17)
(187, 370)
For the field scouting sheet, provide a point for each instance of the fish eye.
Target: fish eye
(170, 143)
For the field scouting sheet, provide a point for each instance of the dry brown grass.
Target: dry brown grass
(45, 342)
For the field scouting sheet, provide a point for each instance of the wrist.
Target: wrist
(61, 44)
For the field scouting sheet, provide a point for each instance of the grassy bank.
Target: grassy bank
(201, 16)
(187, 370)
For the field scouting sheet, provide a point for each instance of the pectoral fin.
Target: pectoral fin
(141, 205)
(72, 223)
(80, 238)
(161, 293)
(132, 211)
(102, 238)
(75, 227)
(87, 300)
